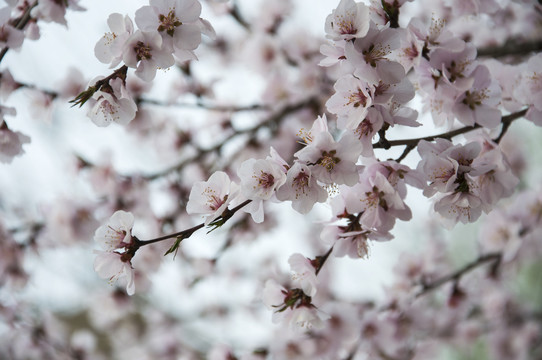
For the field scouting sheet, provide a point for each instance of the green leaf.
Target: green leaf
(175, 246)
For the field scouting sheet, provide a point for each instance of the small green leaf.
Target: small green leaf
(175, 246)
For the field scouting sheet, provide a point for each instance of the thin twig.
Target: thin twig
(412, 143)
(202, 152)
(495, 258)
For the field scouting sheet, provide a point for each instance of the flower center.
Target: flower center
(169, 22)
(143, 51)
(328, 160)
(300, 182)
(266, 180)
(357, 99)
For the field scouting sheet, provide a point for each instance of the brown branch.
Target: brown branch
(494, 258)
(412, 143)
(228, 213)
(251, 131)
(511, 47)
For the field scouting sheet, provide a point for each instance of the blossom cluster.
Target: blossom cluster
(167, 32)
(315, 136)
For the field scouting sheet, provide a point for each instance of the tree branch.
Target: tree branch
(494, 258)
(511, 47)
(412, 143)
(202, 152)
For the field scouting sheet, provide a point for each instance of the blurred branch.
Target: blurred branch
(273, 119)
(199, 105)
(511, 47)
(234, 12)
(494, 258)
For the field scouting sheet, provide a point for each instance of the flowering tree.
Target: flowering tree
(256, 191)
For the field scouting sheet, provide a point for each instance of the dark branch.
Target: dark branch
(494, 258)
(511, 47)
(412, 143)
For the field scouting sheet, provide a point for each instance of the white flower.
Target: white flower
(112, 266)
(109, 48)
(145, 52)
(301, 188)
(117, 232)
(331, 161)
(211, 197)
(115, 237)
(304, 273)
(260, 178)
(348, 21)
(114, 104)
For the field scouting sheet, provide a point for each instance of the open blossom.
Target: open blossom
(112, 266)
(351, 101)
(211, 197)
(301, 188)
(379, 195)
(478, 105)
(292, 307)
(459, 206)
(348, 21)
(371, 56)
(259, 180)
(109, 48)
(177, 21)
(117, 233)
(113, 104)
(115, 237)
(304, 273)
(11, 142)
(330, 161)
(145, 52)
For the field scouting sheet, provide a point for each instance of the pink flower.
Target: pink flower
(115, 237)
(178, 23)
(371, 56)
(259, 180)
(145, 52)
(348, 21)
(459, 206)
(11, 142)
(301, 188)
(211, 197)
(114, 104)
(304, 273)
(9, 36)
(478, 105)
(110, 47)
(292, 307)
(379, 203)
(117, 233)
(529, 91)
(367, 129)
(330, 161)
(112, 266)
(350, 102)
